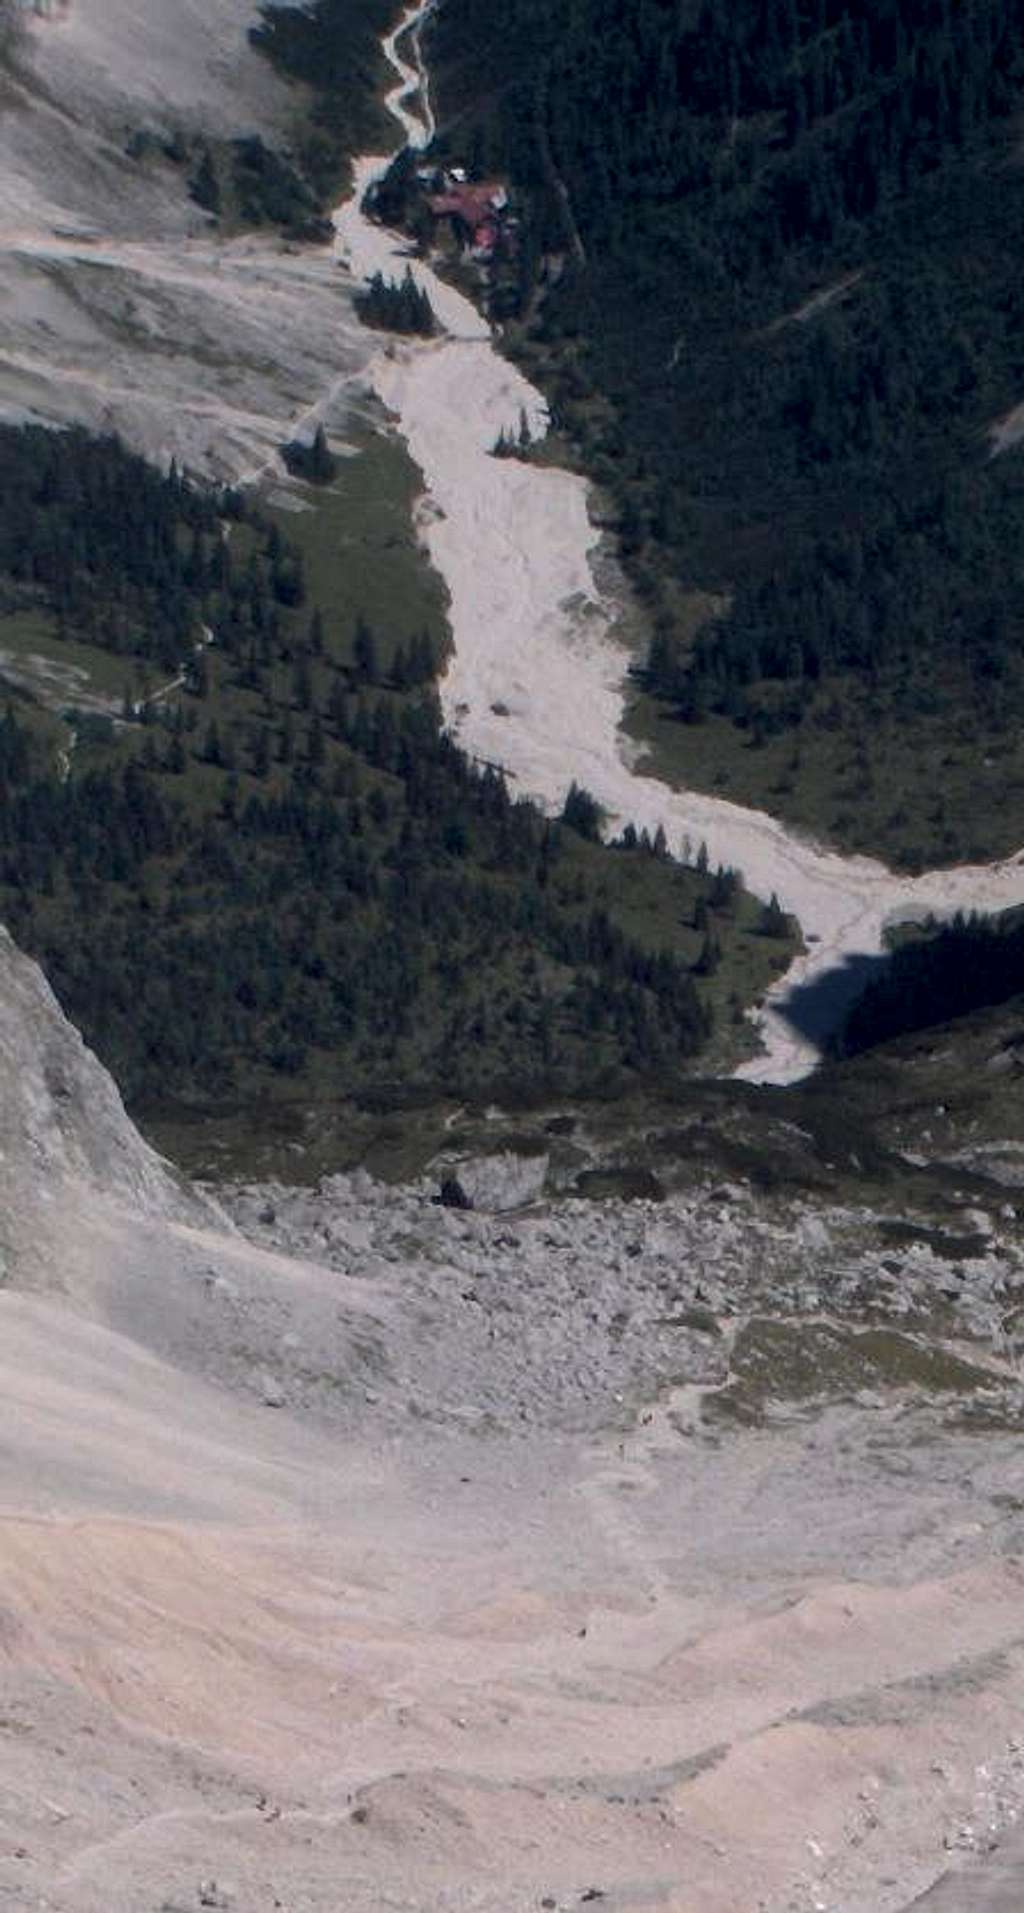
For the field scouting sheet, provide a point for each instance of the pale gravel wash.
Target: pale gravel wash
(533, 634)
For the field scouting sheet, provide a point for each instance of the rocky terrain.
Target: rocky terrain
(620, 1506)
(642, 1543)
(123, 307)
(572, 1313)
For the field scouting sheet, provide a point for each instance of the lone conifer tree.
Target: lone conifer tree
(364, 651)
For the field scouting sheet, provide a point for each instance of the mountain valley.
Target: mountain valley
(502, 1412)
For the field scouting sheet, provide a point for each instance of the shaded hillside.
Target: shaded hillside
(258, 863)
(332, 47)
(331, 53)
(967, 965)
(785, 313)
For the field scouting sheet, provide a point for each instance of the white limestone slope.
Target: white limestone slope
(534, 636)
(390, 1579)
(61, 1118)
(121, 308)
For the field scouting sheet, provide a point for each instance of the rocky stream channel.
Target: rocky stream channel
(536, 681)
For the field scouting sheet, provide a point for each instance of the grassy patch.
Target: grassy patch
(360, 551)
(794, 1363)
(59, 672)
(947, 791)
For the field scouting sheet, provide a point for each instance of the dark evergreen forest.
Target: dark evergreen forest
(781, 240)
(396, 305)
(274, 868)
(333, 47)
(966, 965)
(121, 554)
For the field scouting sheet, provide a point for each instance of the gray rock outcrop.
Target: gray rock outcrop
(61, 1117)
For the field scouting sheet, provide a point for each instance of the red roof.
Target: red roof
(471, 203)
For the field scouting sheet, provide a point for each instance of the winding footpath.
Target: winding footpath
(536, 683)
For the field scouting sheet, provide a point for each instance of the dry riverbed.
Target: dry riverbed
(536, 680)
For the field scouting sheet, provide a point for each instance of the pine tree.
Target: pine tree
(302, 685)
(205, 186)
(199, 675)
(773, 922)
(259, 749)
(323, 465)
(337, 707)
(582, 812)
(364, 651)
(710, 956)
(422, 659)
